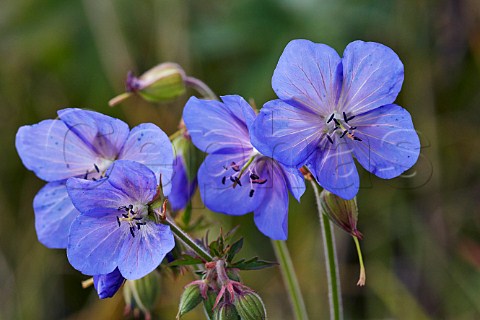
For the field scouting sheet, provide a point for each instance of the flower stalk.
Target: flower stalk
(200, 87)
(331, 264)
(290, 279)
(363, 277)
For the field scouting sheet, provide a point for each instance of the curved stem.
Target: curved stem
(331, 264)
(290, 279)
(363, 277)
(187, 240)
(201, 88)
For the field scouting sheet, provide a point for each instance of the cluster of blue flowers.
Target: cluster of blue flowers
(102, 177)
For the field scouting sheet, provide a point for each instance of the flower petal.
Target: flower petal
(216, 126)
(182, 188)
(309, 75)
(221, 197)
(295, 181)
(389, 145)
(286, 133)
(142, 254)
(149, 145)
(54, 214)
(372, 77)
(334, 169)
(53, 151)
(108, 284)
(95, 241)
(104, 134)
(271, 216)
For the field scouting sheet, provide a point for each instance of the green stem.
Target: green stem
(363, 278)
(290, 279)
(201, 88)
(187, 240)
(334, 296)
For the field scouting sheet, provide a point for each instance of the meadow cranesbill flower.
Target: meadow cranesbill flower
(115, 228)
(333, 108)
(235, 178)
(83, 144)
(108, 284)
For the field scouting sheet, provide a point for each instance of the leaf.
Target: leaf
(234, 249)
(252, 264)
(185, 260)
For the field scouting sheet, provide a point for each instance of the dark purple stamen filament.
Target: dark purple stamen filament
(329, 139)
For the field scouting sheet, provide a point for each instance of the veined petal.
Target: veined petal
(133, 179)
(182, 188)
(286, 133)
(335, 170)
(309, 74)
(216, 126)
(108, 284)
(372, 77)
(295, 181)
(53, 151)
(104, 134)
(389, 145)
(54, 214)
(240, 109)
(271, 216)
(222, 197)
(149, 145)
(95, 240)
(141, 254)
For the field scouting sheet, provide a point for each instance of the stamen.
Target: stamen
(130, 206)
(329, 139)
(358, 139)
(353, 128)
(253, 176)
(237, 180)
(96, 168)
(232, 179)
(344, 133)
(235, 167)
(345, 117)
(94, 179)
(125, 215)
(131, 231)
(223, 180)
(259, 181)
(336, 122)
(86, 175)
(331, 118)
(118, 221)
(350, 118)
(251, 193)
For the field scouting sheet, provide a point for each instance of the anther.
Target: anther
(345, 117)
(336, 121)
(237, 180)
(344, 133)
(130, 206)
(232, 179)
(253, 176)
(358, 139)
(118, 221)
(125, 215)
(353, 128)
(96, 168)
(235, 167)
(223, 180)
(86, 175)
(259, 181)
(350, 118)
(331, 118)
(94, 179)
(329, 139)
(131, 231)
(251, 193)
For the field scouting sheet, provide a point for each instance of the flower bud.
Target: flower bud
(226, 312)
(142, 294)
(209, 303)
(250, 306)
(344, 213)
(190, 298)
(162, 83)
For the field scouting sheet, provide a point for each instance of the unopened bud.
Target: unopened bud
(190, 298)
(250, 306)
(344, 213)
(162, 83)
(142, 294)
(226, 312)
(209, 302)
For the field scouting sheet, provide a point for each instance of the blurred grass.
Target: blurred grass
(422, 240)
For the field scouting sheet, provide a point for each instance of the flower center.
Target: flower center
(133, 216)
(235, 173)
(98, 170)
(338, 126)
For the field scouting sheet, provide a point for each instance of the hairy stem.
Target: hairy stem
(290, 279)
(331, 264)
(201, 88)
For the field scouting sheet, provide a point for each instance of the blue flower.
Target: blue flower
(331, 109)
(235, 178)
(183, 184)
(83, 144)
(108, 284)
(115, 228)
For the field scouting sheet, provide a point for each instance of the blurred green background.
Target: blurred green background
(421, 233)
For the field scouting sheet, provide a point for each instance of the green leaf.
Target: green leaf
(252, 264)
(185, 260)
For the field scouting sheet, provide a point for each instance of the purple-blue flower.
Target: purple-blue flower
(83, 144)
(183, 184)
(331, 109)
(115, 228)
(108, 284)
(235, 178)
